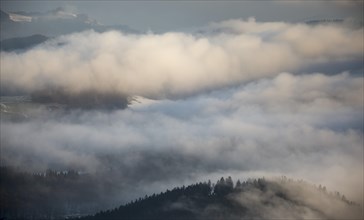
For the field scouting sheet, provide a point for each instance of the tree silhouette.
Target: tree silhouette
(68, 194)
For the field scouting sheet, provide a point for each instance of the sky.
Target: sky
(164, 16)
(246, 89)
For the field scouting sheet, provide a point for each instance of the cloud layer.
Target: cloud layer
(174, 65)
(232, 99)
(307, 126)
(284, 199)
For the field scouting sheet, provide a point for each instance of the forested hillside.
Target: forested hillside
(50, 195)
(71, 194)
(252, 199)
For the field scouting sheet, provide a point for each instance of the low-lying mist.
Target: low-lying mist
(148, 112)
(306, 126)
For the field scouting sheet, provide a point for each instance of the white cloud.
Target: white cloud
(176, 64)
(239, 111)
(305, 202)
(306, 125)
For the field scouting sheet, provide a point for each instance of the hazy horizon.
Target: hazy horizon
(163, 16)
(149, 95)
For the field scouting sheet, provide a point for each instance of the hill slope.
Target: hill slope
(69, 194)
(253, 199)
(22, 43)
(52, 23)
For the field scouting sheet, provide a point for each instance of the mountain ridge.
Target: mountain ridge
(22, 43)
(71, 194)
(254, 198)
(52, 23)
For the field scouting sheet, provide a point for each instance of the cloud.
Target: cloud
(175, 65)
(294, 200)
(235, 98)
(307, 126)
